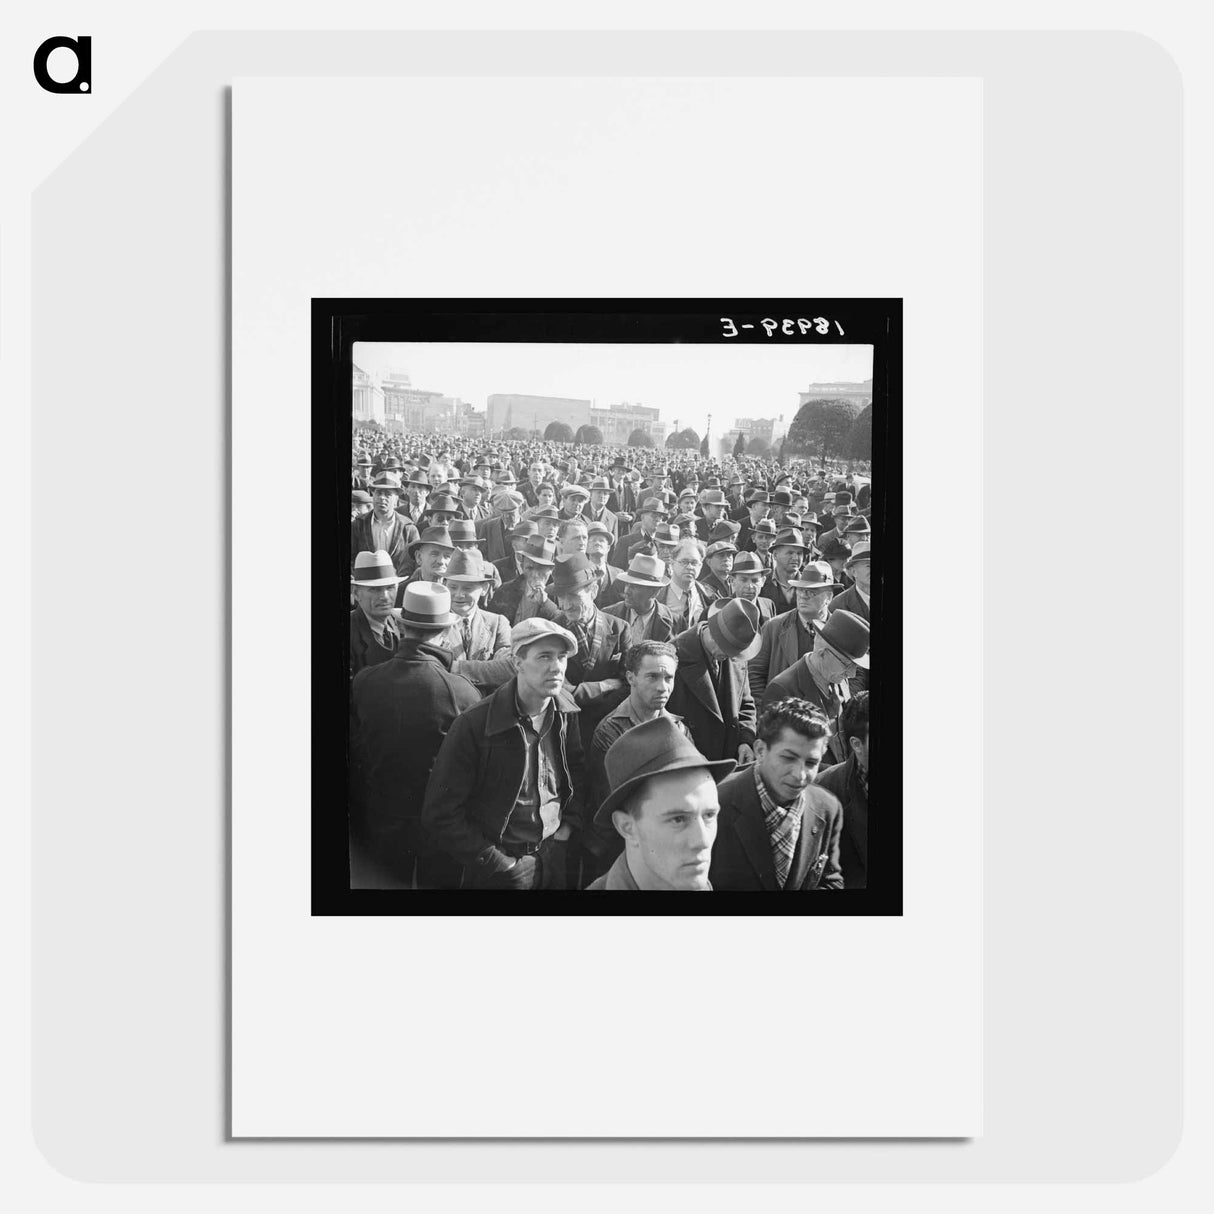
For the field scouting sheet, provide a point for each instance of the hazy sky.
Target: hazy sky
(686, 382)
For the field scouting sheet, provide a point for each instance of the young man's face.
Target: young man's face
(712, 512)
(536, 475)
(465, 596)
(597, 546)
(574, 540)
(598, 499)
(541, 667)
(758, 512)
(652, 682)
(746, 585)
(376, 601)
(790, 763)
(763, 541)
(471, 497)
(432, 561)
(859, 747)
(546, 496)
(417, 497)
(669, 838)
(573, 503)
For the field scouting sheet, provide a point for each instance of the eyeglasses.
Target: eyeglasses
(688, 564)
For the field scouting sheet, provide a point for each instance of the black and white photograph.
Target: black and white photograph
(616, 610)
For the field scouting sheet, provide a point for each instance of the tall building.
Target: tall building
(505, 411)
(861, 393)
(755, 427)
(617, 422)
(368, 398)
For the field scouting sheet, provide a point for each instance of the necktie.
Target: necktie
(467, 638)
(583, 644)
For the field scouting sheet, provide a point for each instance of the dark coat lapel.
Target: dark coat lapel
(752, 834)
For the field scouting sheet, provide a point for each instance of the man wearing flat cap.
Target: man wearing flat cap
(573, 498)
(777, 831)
(383, 530)
(822, 675)
(400, 711)
(791, 636)
(711, 690)
(663, 803)
(505, 796)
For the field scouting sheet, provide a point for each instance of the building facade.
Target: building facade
(861, 393)
(505, 411)
(368, 398)
(617, 422)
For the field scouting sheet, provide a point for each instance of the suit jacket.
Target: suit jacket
(710, 581)
(611, 589)
(598, 684)
(490, 637)
(508, 599)
(493, 539)
(623, 498)
(771, 590)
(507, 568)
(741, 853)
(622, 549)
(365, 649)
(797, 682)
(400, 535)
(606, 516)
(843, 780)
(778, 650)
(659, 628)
(718, 728)
(698, 611)
(849, 600)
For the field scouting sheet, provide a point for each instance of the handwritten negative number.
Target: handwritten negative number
(788, 327)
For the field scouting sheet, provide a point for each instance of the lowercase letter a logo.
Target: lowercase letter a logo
(82, 48)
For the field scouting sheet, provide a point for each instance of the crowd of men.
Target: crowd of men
(606, 668)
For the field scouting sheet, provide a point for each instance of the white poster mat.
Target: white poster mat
(520, 1027)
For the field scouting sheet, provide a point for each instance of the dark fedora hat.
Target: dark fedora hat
(650, 749)
(735, 628)
(748, 562)
(539, 550)
(789, 538)
(847, 634)
(439, 536)
(444, 502)
(463, 531)
(573, 572)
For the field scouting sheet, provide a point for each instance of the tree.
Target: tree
(821, 426)
(558, 432)
(859, 442)
(757, 445)
(740, 446)
(518, 434)
(591, 435)
(683, 440)
(639, 438)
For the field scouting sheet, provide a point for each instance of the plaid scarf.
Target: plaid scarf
(783, 824)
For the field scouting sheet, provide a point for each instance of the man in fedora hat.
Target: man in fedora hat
(511, 566)
(718, 564)
(463, 536)
(374, 634)
(472, 490)
(646, 618)
(856, 597)
(746, 579)
(666, 538)
(430, 552)
(791, 636)
(821, 676)
(663, 803)
(526, 595)
(685, 597)
(596, 510)
(849, 783)
(506, 792)
(413, 699)
(757, 506)
(712, 509)
(493, 533)
(836, 553)
(776, 830)
(413, 506)
(787, 554)
(547, 521)
(711, 691)
(762, 536)
(599, 540)
(651, 512)
(596, 668)
(383, 530)
(476, 635)
(650, 670)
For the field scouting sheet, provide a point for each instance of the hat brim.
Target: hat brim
(862, 662)
(629, 580)
(379, 581)
(815, 585)
(467, 577)
(413, 547)
(855, 559)
(717, 768)
(432, 623)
